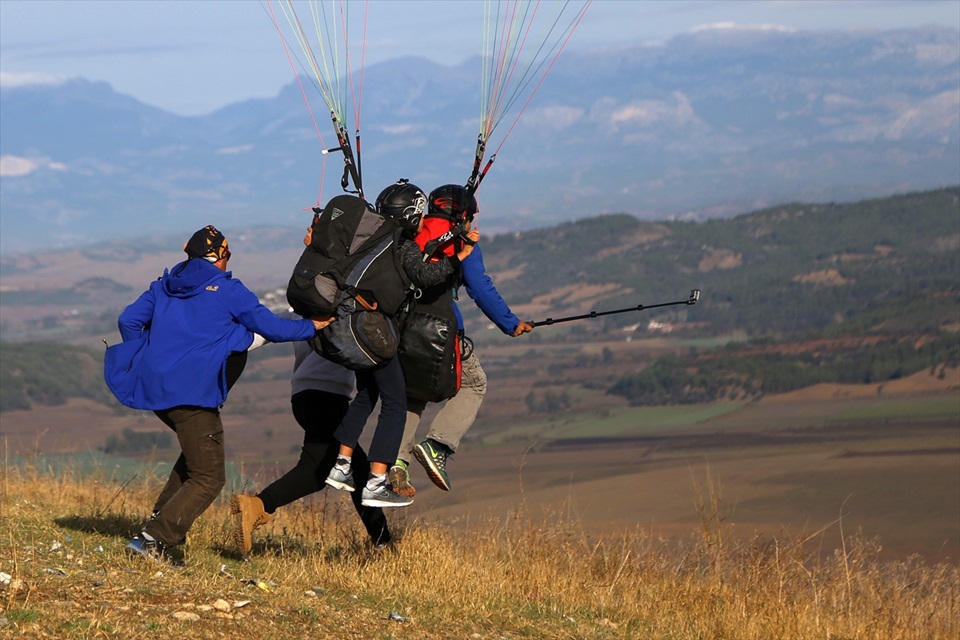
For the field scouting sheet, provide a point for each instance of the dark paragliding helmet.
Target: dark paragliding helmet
(452, 202)
(404, 202)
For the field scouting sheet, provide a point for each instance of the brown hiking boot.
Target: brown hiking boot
(249, 517)
(399, 479)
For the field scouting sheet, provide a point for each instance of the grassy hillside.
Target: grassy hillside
(880, 279)
(784, 270)
(48, 374)
(530, 575)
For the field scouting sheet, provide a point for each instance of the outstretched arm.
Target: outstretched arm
(481, 290)
(248, 311)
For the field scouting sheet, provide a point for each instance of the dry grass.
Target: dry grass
(516, 577)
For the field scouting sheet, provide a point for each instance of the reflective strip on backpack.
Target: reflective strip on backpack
(360, 269)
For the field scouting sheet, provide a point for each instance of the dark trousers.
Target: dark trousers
(386, 384)
(197, 476)
(319, 413)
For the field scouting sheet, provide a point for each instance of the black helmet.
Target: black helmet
(404, 202)
(453, 202)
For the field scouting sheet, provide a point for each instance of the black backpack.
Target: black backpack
(351, 269)
(353, 253)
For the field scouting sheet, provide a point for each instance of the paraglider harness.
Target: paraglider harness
(432, 347)
(351, 269)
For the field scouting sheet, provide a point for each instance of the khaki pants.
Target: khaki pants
(456, 416)
(197, 476)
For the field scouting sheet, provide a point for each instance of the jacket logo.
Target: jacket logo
(336, 213)
(213, 287)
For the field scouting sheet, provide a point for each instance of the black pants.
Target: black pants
(197, 477)
(319, 413)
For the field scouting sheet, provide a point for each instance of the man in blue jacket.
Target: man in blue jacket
(459, 412)
(179, 337)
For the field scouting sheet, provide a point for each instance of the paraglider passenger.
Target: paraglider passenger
(459, 412)
(407, 203)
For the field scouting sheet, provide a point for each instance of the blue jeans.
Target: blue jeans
(387, 385)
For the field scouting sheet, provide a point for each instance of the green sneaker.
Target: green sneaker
(399, 479)
(433, 456)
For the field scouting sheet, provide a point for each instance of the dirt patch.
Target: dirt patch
(577, 298)
(824, 278)
(948, 243)
(920, 383)
(637, 238)
(508, 274)
(587, 488)
(580, 293)
(720, 259)
(77, 425)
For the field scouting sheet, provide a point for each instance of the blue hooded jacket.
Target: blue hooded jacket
(481, 290)
(178, 334)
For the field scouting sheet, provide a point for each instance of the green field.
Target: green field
(642, 421)
(904, 409)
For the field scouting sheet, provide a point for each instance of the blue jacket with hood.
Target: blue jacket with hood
(189, 321)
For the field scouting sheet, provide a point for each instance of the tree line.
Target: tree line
(751, 370)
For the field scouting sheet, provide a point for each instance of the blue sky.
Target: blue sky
(191, 57)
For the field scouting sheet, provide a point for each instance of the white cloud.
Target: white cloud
(243, 148)
(645, 113)
(555, 117)
(14, 80)
(398, 129)
(734, 26)
(16, 167)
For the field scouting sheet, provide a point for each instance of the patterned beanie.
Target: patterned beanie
(207, 243)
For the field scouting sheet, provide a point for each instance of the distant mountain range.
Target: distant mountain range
(708, 124)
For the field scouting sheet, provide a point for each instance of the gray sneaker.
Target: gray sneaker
(340, 480)
(383, 496)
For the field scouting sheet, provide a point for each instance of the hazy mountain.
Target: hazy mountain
(709, 123)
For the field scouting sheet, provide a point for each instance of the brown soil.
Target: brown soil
(720, 259)
(824, 278)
